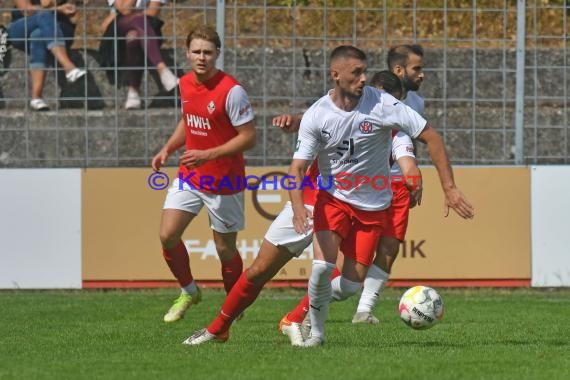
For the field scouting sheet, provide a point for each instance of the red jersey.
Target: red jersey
(208, 125)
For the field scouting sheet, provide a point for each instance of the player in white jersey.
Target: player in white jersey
(349, 130)
(406, 62)
(406, 191)
(281, 243)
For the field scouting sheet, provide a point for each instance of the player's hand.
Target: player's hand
(416, 196)
(455, 199)
(288, 123)
(302, 220)
(191, 159)
(159, 160)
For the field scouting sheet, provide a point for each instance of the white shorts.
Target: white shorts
(282, 233)
(225, 211)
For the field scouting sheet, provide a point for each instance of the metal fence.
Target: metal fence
(496, 86)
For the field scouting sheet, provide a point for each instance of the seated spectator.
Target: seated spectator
(133, 19)
(40, 27)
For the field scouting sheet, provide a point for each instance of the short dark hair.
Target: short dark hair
(204, 32)
(399, 55)
(348, 51)
(389, 82)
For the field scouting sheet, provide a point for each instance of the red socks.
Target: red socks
(179, 263)
(242, 294)
(231, 270)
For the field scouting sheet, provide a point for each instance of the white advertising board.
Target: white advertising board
(550, 213)
(40, 228)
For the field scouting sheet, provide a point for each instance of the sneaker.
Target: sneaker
(181, 304)
(293, 330)
(74, 75)
(168, 79)
(204, 336)
(306, 326)
(39, 105)
(314, 341)
(133, 101)
(365, 317)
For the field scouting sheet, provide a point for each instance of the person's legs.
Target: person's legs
(36, 49)
(386, 254)
(325, 249)
(55, 42)
(37, 78)
(232, 264)
(140, 44)
(281, 243)
(173, 224)
(267, 264)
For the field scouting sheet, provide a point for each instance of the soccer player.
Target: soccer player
(271, 258)
(405, 61)
(407, 191)
(349, 130)
(281, 244)
(216, 128)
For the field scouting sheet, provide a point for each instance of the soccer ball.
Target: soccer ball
(421, 307)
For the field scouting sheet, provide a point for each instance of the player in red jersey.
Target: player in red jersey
(216, 128)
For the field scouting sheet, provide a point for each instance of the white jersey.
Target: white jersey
(355, 146)
(415, 102)
(402, 146)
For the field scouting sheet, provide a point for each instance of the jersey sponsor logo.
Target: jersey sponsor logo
(211, 107)
(365, 127)
(347, 146)
(199, 122)
(410, 149)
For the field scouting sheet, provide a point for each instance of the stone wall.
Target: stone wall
(88, 128)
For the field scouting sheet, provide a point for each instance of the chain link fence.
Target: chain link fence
(476, 54)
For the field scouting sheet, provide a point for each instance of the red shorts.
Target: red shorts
(360, 230)
(397, 221)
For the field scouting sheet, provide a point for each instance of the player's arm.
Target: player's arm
(175, 142)
(301, 215)
(244, 140)
(403, 152)
(454, 198)
(287, 122)
(413, 178)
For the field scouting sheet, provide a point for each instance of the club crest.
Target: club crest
(365, 127)
(211, 106)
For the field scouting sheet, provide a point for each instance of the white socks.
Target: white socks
(375, 280)
(343, 288)
(320, 293)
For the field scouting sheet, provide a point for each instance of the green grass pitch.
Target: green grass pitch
(119, 334)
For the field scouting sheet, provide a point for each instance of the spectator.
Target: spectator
(39, 26)
(138, 22)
